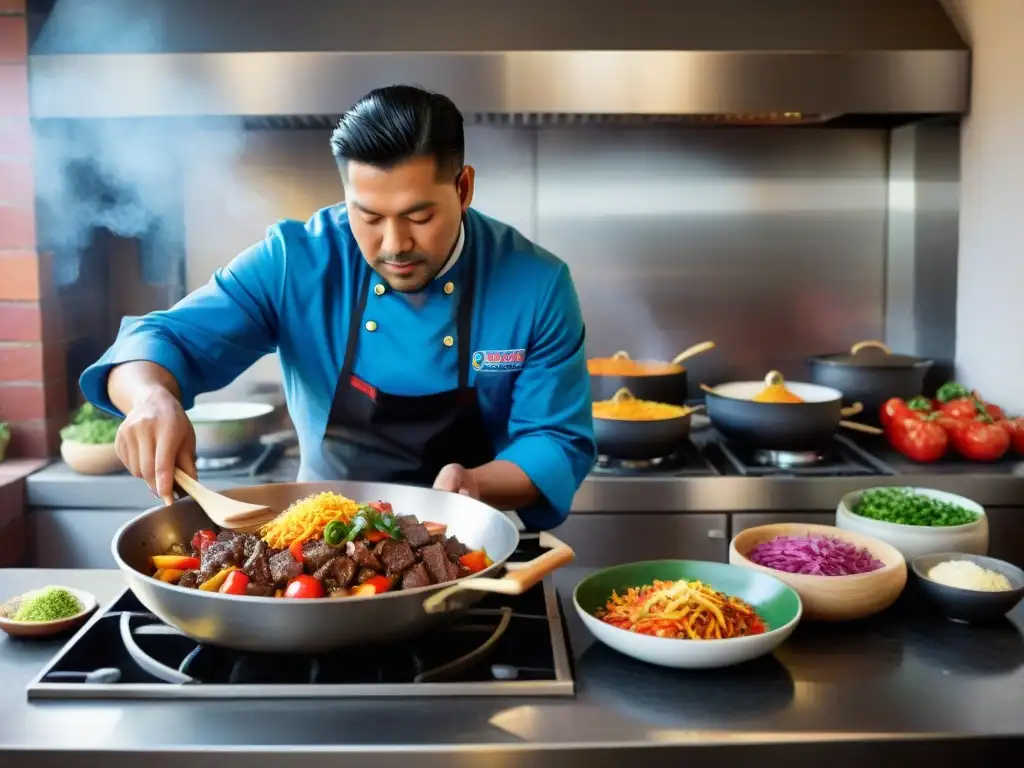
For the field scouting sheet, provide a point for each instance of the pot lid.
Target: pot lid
(873, 354)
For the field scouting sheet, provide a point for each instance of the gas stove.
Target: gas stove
(504, 646)
(842, 457)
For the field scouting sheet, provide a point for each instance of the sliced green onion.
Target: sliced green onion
(334, 533)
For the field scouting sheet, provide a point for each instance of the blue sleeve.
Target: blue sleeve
(211, 336)
(551, 428)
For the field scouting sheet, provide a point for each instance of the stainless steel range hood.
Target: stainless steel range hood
(745, 61)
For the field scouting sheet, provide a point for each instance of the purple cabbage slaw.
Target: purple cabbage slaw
(814, 556)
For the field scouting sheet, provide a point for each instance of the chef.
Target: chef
(420, 341)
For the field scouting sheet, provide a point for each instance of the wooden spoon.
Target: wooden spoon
(696, 349)
(227, 513)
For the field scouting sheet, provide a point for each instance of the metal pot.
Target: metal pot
(870, 374)
(228, 430)
(667, 386)
(285, 625)
(806, 426)
(639, 440)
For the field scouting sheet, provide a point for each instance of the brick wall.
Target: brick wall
(33, 391)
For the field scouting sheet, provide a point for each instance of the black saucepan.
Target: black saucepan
(662, 383)
(638, 440)
(870, 374)
(806, 426)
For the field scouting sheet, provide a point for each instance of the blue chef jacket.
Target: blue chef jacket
(294, 294)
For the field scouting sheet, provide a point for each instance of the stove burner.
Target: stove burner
(787, 459)
(607, 462)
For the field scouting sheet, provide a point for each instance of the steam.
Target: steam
(128, 176)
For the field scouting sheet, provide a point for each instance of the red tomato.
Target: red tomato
(961, 408)
(981, 441)
(918, 440)
(381, 506)
(235, 583)
(891, 409)
(304, 585)
(994, 411)
(1015, 428)
(202, 539)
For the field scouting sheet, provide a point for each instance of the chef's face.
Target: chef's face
(406, 218)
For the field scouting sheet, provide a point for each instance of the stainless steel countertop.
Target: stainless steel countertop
(998, 485)
(903, 686)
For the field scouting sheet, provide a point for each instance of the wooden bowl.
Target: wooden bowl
(90, 458)
(831, 598)
(44, 628)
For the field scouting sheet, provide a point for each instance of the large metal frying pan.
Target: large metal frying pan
(285, 625)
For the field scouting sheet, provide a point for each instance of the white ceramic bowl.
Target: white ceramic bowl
(830, 598)
(916, 540)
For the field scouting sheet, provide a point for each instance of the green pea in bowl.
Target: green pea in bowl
(777, 605)
(921, 505)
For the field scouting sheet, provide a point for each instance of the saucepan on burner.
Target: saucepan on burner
(626, 427)
(654, 380)
(780, 416)
(314, 625)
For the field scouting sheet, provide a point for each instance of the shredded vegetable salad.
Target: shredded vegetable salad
(686, 610)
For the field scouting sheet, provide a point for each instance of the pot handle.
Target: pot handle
(696, 349)
(852, 410)
(870, 345)
(867, 429)
(519, 578)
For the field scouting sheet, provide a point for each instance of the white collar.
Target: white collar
(456, 252)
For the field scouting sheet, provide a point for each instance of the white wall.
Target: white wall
(990, 290)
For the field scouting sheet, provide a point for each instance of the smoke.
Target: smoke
(128, 176)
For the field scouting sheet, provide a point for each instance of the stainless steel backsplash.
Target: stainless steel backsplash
(771, 242)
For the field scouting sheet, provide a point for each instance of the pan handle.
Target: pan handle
(696, 349)
(515, 582)
(870, 345)
(867, 429)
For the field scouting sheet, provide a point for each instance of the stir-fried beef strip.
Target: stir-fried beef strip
(415, 559)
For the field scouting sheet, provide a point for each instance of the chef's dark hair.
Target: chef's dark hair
(393, 124)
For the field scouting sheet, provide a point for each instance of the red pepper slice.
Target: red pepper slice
(203, 539)
(304, 585)
(379, 584)
(175, 562)
(374, 536)
(381, 506)
(475, 561)
(296, 549)
(235, 583)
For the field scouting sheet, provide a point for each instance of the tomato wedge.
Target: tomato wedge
(304, 586)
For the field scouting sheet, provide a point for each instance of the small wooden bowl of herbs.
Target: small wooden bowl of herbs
(87, 443)
(45, 612)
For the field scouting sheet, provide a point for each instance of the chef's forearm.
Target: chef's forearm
(129, 382)
(503, 485)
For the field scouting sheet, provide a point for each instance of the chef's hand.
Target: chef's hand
(156, 436)
(457, 479)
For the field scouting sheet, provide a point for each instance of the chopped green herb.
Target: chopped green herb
(337, 533)
(902, 506)
(91, 425)
(52, 604)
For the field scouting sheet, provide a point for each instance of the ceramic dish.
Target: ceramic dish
(969, 605)
(830, 598)
(44, 628)
(916, 540)
(775, 602)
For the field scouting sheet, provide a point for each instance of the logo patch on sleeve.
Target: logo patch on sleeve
(499, 360)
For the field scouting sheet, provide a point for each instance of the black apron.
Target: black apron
(375, 436)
